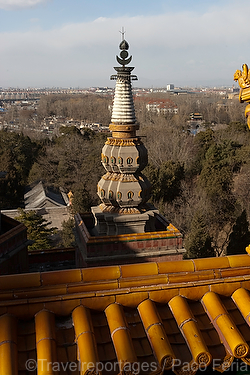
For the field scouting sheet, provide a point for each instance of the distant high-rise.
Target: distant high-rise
(170, 87)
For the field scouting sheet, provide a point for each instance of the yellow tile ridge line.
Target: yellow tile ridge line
(136, 237)
(171, 231)
(208, 268)
(150, 278)
(211, 284)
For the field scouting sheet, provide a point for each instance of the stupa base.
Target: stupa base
(162, 243)
(110, 224)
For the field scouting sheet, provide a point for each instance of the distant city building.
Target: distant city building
(195, 123)
(170, 87)
(162, 106)
(196, 116)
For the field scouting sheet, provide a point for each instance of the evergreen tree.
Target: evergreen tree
(202, 142)
(199, 243)
(17, 154)
(37, 229)
(216, 178)
(81, 200)
(165, 180)
(69, 130)
(239, 239)
(67, 235)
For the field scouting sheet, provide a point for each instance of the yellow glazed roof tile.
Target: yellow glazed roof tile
(140, 269)
(154, 328)
(141, 288)
(129, 315)
(131, 299)
(98, 303)
(138, 281)
(20, 281)
(245, 283)
(102, 285)
(57, 277)
(164, 295)
(6, 296)
(239, 260)
(231, 272)
(226, 288)
(225, 325)
(41, 292)
(22, 311)
(121, 336)
(62, 307)
(194, 293)
(176, 266)
(104, 273)
(190, 277)
(171, 232)
(211, 263)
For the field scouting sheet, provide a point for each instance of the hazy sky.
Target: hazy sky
(70, 43)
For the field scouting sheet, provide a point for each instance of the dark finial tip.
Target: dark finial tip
(124, 45)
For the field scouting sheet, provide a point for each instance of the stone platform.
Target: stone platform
(109, 224)
(162, 244)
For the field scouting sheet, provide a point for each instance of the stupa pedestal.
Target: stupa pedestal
(163, 244)
(108, 224)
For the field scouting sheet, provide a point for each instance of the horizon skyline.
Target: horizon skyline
(112, 88)
(61, 43)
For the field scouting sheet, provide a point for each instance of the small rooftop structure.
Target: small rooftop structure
(39, 196)
(45, 202)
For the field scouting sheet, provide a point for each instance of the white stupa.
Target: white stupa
(123, 189)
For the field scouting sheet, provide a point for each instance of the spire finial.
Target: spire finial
(124, 51)
(122, 33)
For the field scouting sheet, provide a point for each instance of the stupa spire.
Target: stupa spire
(123, 106)
(123, 189)
(122, 33)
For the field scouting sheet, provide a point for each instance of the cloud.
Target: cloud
(183, 48)
(19, 4)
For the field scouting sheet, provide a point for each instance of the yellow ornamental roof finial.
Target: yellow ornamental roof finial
(243, 78)
(70, 196)
(248, 249)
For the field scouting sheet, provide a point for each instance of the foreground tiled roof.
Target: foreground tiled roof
(181, 315)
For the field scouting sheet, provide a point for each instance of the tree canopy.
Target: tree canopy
(199, 242)
(200, 183)
(17, 155)
(38, 229)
